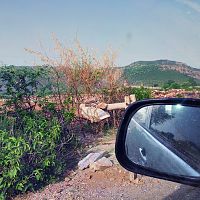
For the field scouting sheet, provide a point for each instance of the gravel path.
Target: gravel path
(113, 183)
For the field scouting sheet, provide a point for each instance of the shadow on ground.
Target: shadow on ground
(185, 193)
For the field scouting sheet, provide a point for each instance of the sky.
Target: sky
(135, 29)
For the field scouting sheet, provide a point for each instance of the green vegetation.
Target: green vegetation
(140, 93)
(34, 126)
(33, 141)
(151, 74)
(189, 85)
(38, 124)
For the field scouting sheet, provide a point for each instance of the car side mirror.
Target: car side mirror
(161, 138)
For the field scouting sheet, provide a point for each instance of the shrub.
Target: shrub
(188, 85)
(82, 72)
(141, 93)
(30, 159)
(33, 131)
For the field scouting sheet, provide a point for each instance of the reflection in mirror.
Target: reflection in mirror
(165, 138)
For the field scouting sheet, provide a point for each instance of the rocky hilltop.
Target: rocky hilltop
(159, 72)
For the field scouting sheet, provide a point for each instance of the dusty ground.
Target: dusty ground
(112, 183)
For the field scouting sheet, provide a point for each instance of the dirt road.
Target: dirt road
(112, 183)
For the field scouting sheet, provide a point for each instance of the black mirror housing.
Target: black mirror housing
(120, 147)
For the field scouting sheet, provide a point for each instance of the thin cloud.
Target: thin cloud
(191, 4)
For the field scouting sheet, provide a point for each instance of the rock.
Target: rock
(101, 164)
(89, 159)
(93, 114)
(67, 179)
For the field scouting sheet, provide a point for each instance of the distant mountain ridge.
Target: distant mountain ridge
(159, 71)
(173, 65)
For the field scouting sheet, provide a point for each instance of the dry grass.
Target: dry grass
(82, 71)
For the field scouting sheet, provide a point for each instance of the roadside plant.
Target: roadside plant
(83, 73)
(141, 93)
(34, 129)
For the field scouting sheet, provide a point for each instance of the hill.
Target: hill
(159, 72)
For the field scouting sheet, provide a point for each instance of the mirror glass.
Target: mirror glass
(165, 138)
